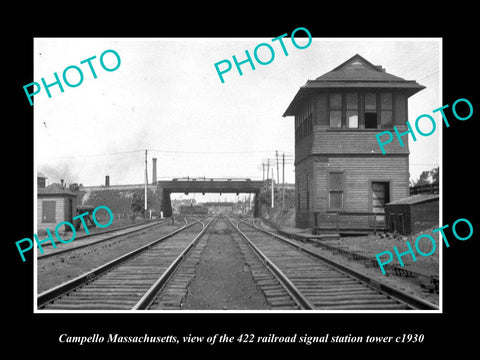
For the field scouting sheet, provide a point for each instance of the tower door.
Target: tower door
(380, 197)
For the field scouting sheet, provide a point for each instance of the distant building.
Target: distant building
(54, 205)
(218, 207)
(193, 210)
(339, 166)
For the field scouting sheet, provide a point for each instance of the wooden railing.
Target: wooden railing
(339, 214)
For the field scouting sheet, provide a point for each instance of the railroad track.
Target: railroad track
(131, 281)
(317, 283)
(93, 239)
(430, 283)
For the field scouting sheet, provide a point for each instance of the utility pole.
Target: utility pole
(263, 171)
(272, 190)
(283, 181)
(146, 181)
(268, 167)
(278, 176)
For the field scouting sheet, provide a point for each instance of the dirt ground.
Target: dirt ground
(223, 281)
(372, 245)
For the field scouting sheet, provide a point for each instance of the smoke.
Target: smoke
(60, 171)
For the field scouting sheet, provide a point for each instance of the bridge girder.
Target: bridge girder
(207, 186)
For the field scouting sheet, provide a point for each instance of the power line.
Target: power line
(159, 151)
(212, 152)
(90, 155)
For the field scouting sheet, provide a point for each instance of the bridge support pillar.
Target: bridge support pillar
(256, 204)
(166, 203)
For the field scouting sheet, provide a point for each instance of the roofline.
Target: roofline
(398, 202)
(413, 82)
(353, 57)
(56, 194)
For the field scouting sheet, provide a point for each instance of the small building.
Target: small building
(41, 180)
(342, 179)
(54, 205)
(413, 214)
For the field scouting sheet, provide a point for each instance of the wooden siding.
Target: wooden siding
(359, 171)
(304, 217)
(303, 148)
(342, 141)
(325, 140)
(357, 154)
(61, 211)
(424, 216)
(409, 219)
(355, 141)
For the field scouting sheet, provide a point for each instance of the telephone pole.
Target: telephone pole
(146, 181)
(272, 190)
(278, 176)
(283, 180)
(268, 167)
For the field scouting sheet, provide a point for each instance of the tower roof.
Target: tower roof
(356, 72)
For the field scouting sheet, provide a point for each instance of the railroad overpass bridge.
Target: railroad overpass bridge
(163, 189)
(207, 185)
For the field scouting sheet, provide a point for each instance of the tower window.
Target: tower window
(335, 110)
(352, 110)
(371, 111)
(386, 113)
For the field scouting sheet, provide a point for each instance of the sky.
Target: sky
(166, 97)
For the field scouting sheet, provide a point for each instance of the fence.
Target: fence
(425, 189)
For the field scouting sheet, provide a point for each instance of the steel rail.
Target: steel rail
(409, 300)
(389, 268)
(297, 296)
(150, 295)
(39, 257)
(146, 223)
(60, 290)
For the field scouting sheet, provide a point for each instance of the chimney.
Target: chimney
(154, 171)
(61, 182)
(107, 181)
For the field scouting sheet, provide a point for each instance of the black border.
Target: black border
(450, 329)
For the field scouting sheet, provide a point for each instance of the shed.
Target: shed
(55, 204)
(413, 214)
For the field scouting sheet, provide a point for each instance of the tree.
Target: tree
(435, 174)
(428, 177)
(424, 178)
(137, 203)
(113, 199)
(74, 187)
